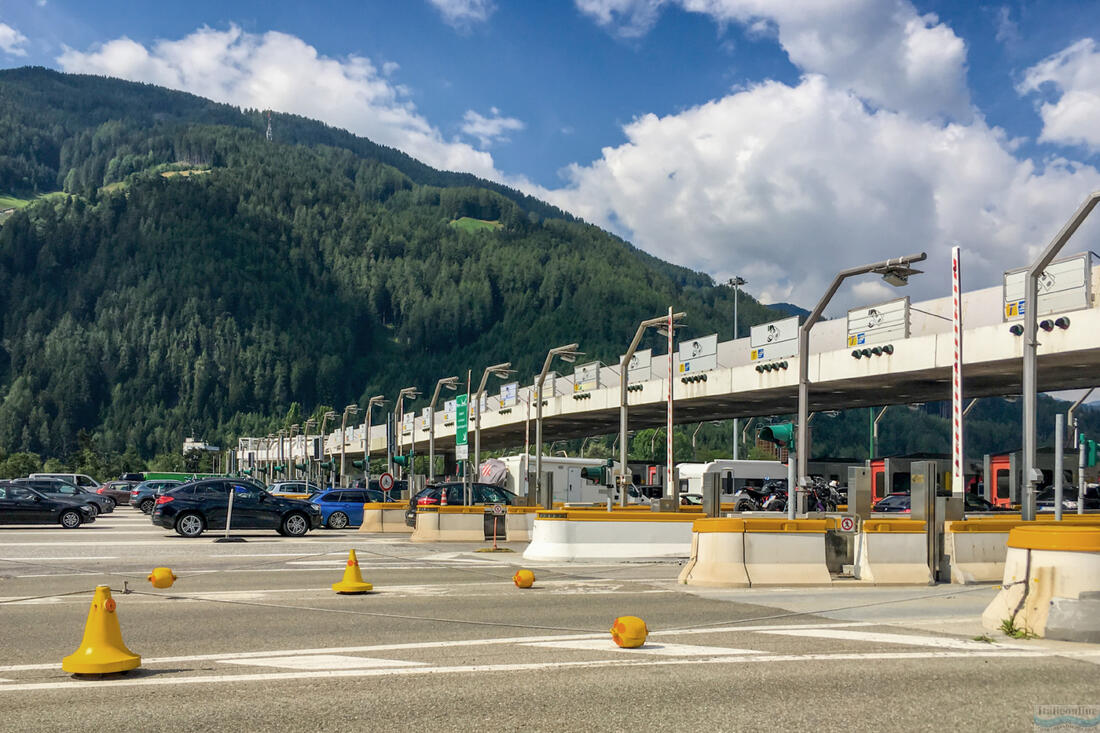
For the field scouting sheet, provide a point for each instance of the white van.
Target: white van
(76, 479)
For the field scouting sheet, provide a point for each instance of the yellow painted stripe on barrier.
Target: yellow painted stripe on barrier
(1059, 537)
(817, 526)
(899, 526)
(620, 517)
(1093, 518)
(385, 505)
(718, 524)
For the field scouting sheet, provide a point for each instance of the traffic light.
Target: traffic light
(401, 460)
(782, 434)
(330, 463)
(357, 464)
(247, 472)
(1090, 453)
(301, 466)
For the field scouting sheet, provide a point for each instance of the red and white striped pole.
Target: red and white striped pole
(958, 478)
(668, 420)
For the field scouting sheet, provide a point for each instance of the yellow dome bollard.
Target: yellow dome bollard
(102, 651)
(629, 632)
(353, 580)
(162, 578)
(523, 578)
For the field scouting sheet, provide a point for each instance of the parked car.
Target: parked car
(76, 479)
(978, 503)
(342, 508)
(144, 495)
(117, 490)
(479, 494)
(892, 503)
(59, 487)
(293, 489)
(1044, 500)
(197, 506)
(20, 504)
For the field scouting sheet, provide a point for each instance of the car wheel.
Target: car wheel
(295, 525)
(190, 525)
(146, 506)
(70, 519)
(95, 510)
(110, 504)
(337, 520)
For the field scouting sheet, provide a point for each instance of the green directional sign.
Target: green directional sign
(462, 426)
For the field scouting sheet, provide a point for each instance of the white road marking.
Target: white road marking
(479, 669)
(51, 559)
(437, 644)
(875, 637)
(324, 661)
(665, 650)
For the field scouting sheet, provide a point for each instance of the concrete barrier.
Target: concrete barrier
(384, 517)
(717, 554)
(449, 524)
(519, 521)
(1051, 583)
(978, 546)
(787, 551)
(893, 552)
(588, 535)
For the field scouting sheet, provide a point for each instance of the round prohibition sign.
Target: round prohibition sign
(498, 509)
(385, 481)
(847, 524)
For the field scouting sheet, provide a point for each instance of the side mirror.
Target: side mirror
(262, 496)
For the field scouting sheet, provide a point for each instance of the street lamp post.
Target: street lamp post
(376, 400)
(282, 460)
(293, 432)
(567, 353)
(451, 383)
(329, 415)
(1031, 367)
(660, 322)
(736, 282)
(310, 423)
(412, 393)
(499, 370)
(896, 272)
(269, 472)
(348, 410)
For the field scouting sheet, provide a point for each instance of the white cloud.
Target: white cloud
(1074, 72)
(464, 13)
(882, 50)
(488, 130)
(11, 41)
(1008, 32)
(281, 72)
(786, 185)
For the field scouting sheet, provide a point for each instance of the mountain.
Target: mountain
(789, 309)
(168, 271)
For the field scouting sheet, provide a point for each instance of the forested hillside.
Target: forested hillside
(195, 278)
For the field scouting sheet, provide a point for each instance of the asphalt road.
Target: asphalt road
(251, 636)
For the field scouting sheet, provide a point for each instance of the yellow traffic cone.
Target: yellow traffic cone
(353, 580)
(102, 651)
(629, 632)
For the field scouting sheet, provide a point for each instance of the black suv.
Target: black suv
(198, 506)
(99, 503)
(479, 494)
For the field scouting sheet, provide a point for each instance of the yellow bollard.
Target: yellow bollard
(102, 651)
(629, 632)
(162, 578)
(523, 578)
(353, 580)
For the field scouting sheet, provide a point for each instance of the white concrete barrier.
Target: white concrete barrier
(893, 552)
(450, 524)
(519, 523)
(1051, 584)
(384, 518)
(589, 535)
(717, 554)
(786, 552)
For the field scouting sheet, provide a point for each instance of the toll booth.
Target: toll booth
(1003, 473)
(892, 474)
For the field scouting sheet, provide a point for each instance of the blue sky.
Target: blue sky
(773, 140)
